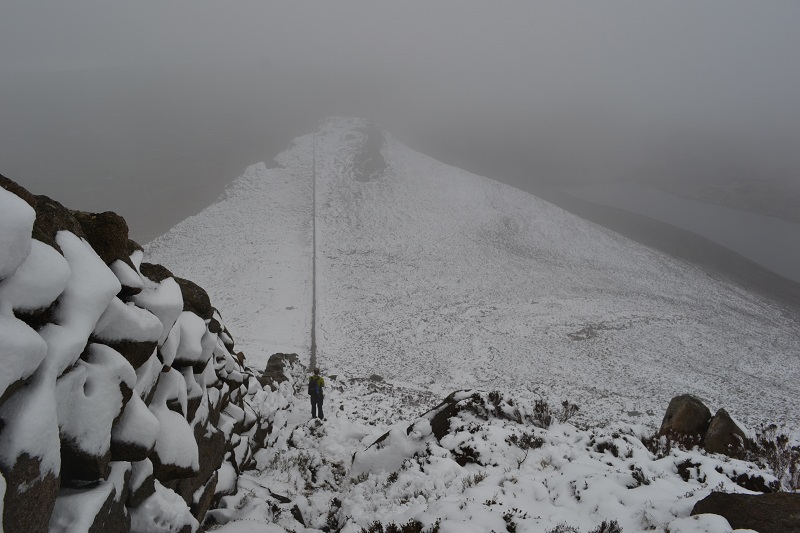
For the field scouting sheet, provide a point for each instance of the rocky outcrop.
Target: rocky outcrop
(122, 397)
(689, 421)
(275, 372)
(686, 415)
(724, 435)
(776, 513)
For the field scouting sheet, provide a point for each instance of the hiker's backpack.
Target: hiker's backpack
(313, 387)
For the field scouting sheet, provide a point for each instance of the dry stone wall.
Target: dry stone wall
(123, 405)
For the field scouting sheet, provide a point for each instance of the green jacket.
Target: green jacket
(316, 382)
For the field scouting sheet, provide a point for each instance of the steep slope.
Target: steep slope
(436, 278)
(253, 248)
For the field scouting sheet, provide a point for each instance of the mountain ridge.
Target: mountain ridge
(437, 278)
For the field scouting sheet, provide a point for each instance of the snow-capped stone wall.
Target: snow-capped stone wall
(123, 406)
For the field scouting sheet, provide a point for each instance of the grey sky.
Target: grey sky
(518, 90)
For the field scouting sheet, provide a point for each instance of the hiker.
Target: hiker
(315, 385)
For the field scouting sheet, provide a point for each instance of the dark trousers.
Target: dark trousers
(316, 407)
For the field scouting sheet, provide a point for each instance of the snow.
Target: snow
(186, 342)
(163, 512)
(16, 224)
(140, 471)
(21, 352)
(439, 279)
(90, 398)
(147, 375)
(38, 281)
(90, 289)
(127, 322)
(75, 509)
(175, 444)
(578, 477)
(127, 276)
(260, 271)
(2, 498)
(30, 426)
(137, 425)
(704, 523)
(164, 300)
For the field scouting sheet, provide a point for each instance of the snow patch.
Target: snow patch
(127, 322)
(38, 281)
(163, 512)
(16, 225)
(90, 398)
(76, 509)
(22, 351)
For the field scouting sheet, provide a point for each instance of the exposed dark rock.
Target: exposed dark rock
(227, 339)
(28, 508)
(376, 378)
(107, 233)
(133, 246)
(298, 515)
(754, 483)
(274, 373)
(165, 472)
(724, 435)
(157, 273)
(52, 217)
(9, 392)
(214, 326)
(440, 416)
(192, 404)
(37, 318)
(174, 404)
(195, 299)
(200, 506)
(78, 466)
(136, 353)
(686, 415)
(128, 451)
(126, 293)
(141, 493)
(280, 497)
(776, 513)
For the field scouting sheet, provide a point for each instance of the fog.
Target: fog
(149, 108)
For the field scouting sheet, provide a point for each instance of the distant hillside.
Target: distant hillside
(437, 278)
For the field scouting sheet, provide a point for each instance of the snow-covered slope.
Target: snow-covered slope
(438, 279)
(254, 246)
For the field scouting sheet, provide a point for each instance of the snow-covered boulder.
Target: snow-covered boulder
(107, 233)
(134, 435)
(686, 416)
(175, 453)
(724, 435)
(37, 282)
(95, 509)
(91, 396)
(163, 512)
(275, 372)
